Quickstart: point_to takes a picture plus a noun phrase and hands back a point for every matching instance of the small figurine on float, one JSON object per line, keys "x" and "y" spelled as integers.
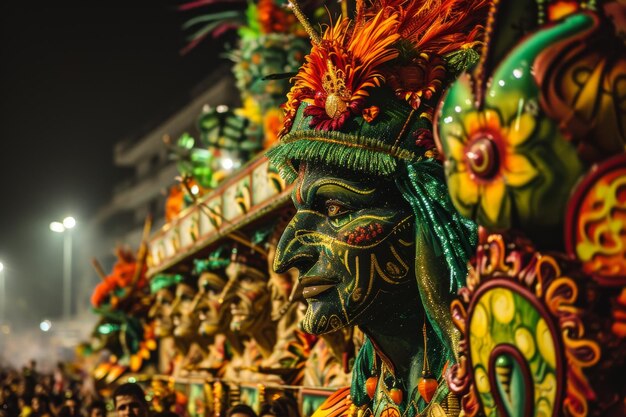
{"x": 247, "y": 297}
{"x": 214, "y": 321}
{"x": 376, "y": 238}
{"x": 162, "y": 289}
{"x": 192, "y": 347}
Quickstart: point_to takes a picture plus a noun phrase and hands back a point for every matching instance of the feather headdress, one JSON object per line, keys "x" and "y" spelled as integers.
{"x": 406, "y": 45}
{"x": 365, "y": 96}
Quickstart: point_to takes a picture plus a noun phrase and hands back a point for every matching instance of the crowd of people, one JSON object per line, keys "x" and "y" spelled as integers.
{"x": 30, "y": 393}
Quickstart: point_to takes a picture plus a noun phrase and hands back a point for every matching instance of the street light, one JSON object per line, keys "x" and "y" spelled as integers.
{"x": 3, "y": 296}
{"x": 45, "y": 325}
{"x": 65, "y": 227}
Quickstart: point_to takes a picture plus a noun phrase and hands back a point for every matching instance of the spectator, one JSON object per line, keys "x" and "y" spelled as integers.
{"x": 24, "y": 404}
{"x": 41, "y": 406}
{"x": 97, "y": 409}
{"x": 72, "y": 404}
{"x": 240, "y": 410}
{"x": 130, "y": 401}
{"x": 9, "y": 402}
{"x": 65, "y": 411}
{"x": 283, "y": 406}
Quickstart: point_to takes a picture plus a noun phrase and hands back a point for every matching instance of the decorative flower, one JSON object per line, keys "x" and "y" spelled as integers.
{"x": 420, "y": 81}
{"x": 273, "y": 18}
{"x": 485, "y": 157}
{"x": 272, "y": 122}
{"x": 337, "y": 74}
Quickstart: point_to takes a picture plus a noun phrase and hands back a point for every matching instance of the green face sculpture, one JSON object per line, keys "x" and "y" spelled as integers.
{"x": 353, "y": 242}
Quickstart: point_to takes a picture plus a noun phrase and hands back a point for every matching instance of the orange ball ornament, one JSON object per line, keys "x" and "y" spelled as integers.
{"x": 396, "y": 395}
{"x": 427, "y": 387}
{"x": 370, "y": 386}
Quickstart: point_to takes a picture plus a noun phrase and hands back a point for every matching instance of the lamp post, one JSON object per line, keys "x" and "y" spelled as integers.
{"x": 65, "y": 227}
{"x": 3, "y": 296}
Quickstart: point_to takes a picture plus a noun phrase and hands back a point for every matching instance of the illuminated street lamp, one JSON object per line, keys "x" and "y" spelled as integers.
{"x": 65, "y": 227}
{"x": 3, "y": 296}
{"x": 45, "y": 325}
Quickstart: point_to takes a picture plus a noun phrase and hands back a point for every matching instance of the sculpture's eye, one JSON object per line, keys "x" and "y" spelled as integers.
{"x": 335, "y": 209}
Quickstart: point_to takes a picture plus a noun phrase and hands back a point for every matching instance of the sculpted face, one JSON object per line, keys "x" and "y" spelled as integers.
{"x": 184, "y": 320}
{"x": 212, "y": 318}
{"x": 161, "y": 312}
{"x": 353, "y": 243}
{"x": 248, "y": 296}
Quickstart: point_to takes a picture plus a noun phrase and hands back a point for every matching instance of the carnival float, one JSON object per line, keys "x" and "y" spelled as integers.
{"x": 429, "y": 218}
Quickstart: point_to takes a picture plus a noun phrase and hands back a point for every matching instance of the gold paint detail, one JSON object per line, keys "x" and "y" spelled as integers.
{"x": 398, "y": 258}
{"x": 338, "y": 95}
{"x": 331, "y": 181}
{"x": 383, "y": 275}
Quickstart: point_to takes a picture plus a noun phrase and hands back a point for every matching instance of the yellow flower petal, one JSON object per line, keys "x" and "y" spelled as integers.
{"x": 518, "y": 170}
{"x": 468, "y": 190}
{"x": 520, "y": 129}
{"x": 492, "y": 195}
{"x": 455, "y": 149}
{"x": 472, "y": 122}
{"x": 491, "y": 120}
{"x": 462, "y": 186}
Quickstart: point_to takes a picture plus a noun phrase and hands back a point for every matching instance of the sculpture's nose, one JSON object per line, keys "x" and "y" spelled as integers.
{"x": 228, "y": 292}
{"x": 292, "y": 250}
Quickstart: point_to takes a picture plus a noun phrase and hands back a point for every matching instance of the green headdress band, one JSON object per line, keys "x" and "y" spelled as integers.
{"x": 372, "y": 147}
{"x": 163, "y": 281}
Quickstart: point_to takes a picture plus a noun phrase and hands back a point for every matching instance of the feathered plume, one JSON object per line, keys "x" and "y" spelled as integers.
{"x": 403, "y": 43}
{"x": 339, "y": 70}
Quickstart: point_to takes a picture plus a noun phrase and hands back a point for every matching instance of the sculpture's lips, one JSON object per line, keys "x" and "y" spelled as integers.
{"x": 315, "y": 285}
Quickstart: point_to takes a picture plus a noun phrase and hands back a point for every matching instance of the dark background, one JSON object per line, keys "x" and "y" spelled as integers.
{"x": 75, "y": 78}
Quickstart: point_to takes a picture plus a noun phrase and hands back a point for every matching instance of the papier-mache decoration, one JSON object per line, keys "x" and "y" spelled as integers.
{"x": 270, "y": 48}
{"x": 533, "y": 144}
{"x": 519, "y": 133}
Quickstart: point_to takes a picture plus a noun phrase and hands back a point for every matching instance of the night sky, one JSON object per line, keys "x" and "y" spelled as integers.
{"x": 75, "y": 78}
